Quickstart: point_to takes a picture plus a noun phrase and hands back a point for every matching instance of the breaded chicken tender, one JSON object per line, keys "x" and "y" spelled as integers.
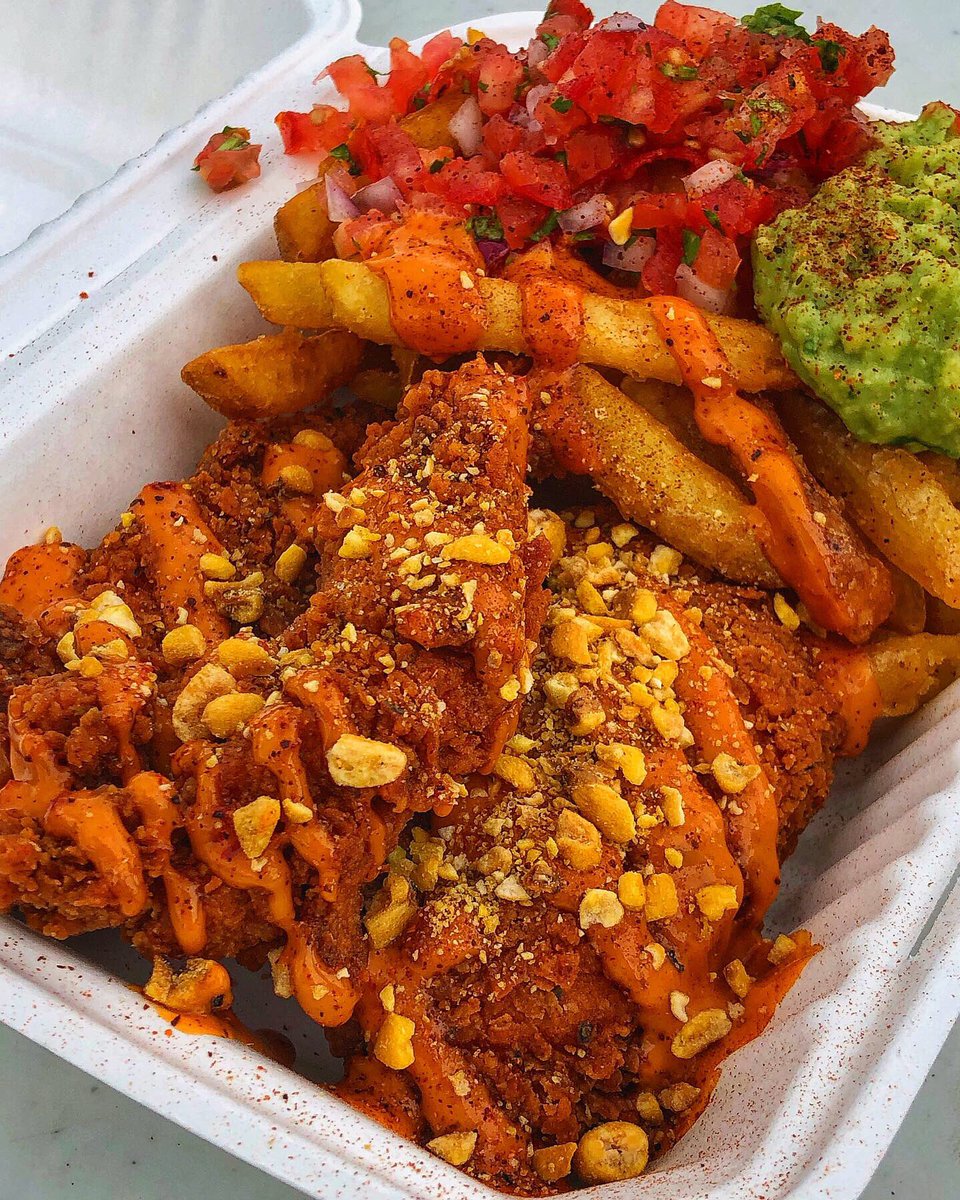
{"x": 577, "y": 946}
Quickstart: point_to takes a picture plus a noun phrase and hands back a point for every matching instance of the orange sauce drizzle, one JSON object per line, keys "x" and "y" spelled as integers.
{"x": 321, "y": 993}
{"x": 443, "y": 283}
{"x": 326, "y": 466}
{"x": 716, "y": 721}
{"x": 37, "y": 577}
{"x": 91, "y": 821}
{"x": 848, "y": 675}
{"x": 551, "y": 308}
{"x": 177, "y": 536}
{"x": 845, "y": 588}
{"x": 227, "y": 1025}
{"x": 150, "y": 792}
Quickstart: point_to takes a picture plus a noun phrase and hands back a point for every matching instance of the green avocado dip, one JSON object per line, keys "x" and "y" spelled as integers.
{"x": 862, "y": 286}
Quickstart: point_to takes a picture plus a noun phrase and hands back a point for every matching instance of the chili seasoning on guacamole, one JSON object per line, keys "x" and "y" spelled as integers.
{"x": 862, "y": 286}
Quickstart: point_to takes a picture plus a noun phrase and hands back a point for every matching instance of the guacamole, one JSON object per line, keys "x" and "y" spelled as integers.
{"x": 862, "y": 286}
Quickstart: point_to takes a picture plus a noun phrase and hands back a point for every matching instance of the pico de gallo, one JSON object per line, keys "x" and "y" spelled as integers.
{"x": 656, "y": 148}
{"x": 228, "y": 159}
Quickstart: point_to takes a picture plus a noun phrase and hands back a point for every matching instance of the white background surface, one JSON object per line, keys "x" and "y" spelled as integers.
{"x": 61, "y": 1133}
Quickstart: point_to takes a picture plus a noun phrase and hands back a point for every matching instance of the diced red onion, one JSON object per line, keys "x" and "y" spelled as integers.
{"x": 588, "y": 214}
{"x": 339, "y": 205}
{"x": 691, "y": 287}
{"x": 630, "y": 258}
{"x": 535, "y": 95}
{"x": 384, "y": 196}
{"x": 466, "y": 125}
{"x": 622, "y": 23}
{"x": 708, "y": 177}
{"x": 493, "y": 252}
{"x": 537, "y": 52}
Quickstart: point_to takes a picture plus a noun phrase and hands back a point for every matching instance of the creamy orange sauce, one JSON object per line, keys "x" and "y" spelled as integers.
{"x": 848, "y": 675}
{"x": 326, "y": 466}
{"x": 322, "y": 993}
{"x": 227, "y": 1025}
{"x": 38, "y": 577}
{"x": 443, "y": 283}
{"x": 90, "y": 820}
{"x": 176, "y": 536}
{"x": 847, "y": 591}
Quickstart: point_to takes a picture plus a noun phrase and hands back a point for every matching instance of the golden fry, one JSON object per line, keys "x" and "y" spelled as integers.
{"x": 650, "y": 475}
{"x": 618, "y": 333}
{"x": 288, "y": 292}
{"x": 909, "y": 670}
{"x": 902, "y": 501}
{"x": 909, "y": 603}
{"x": 282, "y": 373}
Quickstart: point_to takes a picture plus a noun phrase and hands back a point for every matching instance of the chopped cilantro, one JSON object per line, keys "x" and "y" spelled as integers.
{"x": 484, "y": 87}
{"x": 691, "y": 246}
{"x": 585, "y": 235}
{"x": 673, "y": 71}
{"x": 561, "y": 157}
{"x": 776, "y": 20}
{"x": 714, "y": 218}
{"x": 744, "y": 137}
{"x": 562, "y": 104}
{"x": 438, "y": 164}
{"x": 486, "y": 226}
{"x": 549, "y": 225}
{"x": 421, "y": 98}
{"x": 550, "y": 40}
{"x": 343, "y": 153}
{"x": 829, "y": 54}
{"x": 756, "y": 124}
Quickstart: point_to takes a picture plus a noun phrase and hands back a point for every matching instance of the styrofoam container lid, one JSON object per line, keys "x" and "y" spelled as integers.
{"x": 91, "y": 406}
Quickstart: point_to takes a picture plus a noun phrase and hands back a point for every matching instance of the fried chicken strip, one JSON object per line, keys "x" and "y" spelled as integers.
{"x": 582, "y": 948}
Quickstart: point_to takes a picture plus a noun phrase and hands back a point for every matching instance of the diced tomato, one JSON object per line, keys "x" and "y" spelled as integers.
{"x": 388, "y": 150}
{"x": 659, "y": 275}
{"x": 314, "y": 132}
{"x": 740, "y": 206}
{"x": 700, "y": 29}
{"x": 439, "y": 50}
{"x": 572, "y": 9}
{"x": 717, "y": 259}
{"x": 467, "y": 181}
{"x": 408, "y": 76}
{"x": 500, "y": 75}
{"x": 863, "y": 63}
{"x": 500, "y": 137}
{"x": 228, "y": 159}
{"x": 560, "y": 61}
{"x": 520, "y": 219}
{"x": 354, "y": 81}
{"x": 661, "y": 210}
{"x": 363, "y": 235}
{"x": 541, "y": 179}
{"x": 591, "y": 153}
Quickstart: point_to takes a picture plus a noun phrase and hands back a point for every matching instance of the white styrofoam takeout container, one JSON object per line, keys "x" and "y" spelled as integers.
{"x": 91, "y": 406}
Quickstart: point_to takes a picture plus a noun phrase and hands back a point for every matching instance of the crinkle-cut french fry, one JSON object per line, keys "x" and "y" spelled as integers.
{"x": 620, "y": 334}
{"x": 941, "y": 618}
{"x": 650, "y": 475}
{"x": 673, "y": 407}
{"x": 909, "y": 603}
{"x": 303, "y": 229}
{"x": 910, "y": 670}
{"x": 290, "y": 293}
{"x": 902, "y": 501}
{"x": 380, "y": 388}
{"x": 273, "y": 375}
